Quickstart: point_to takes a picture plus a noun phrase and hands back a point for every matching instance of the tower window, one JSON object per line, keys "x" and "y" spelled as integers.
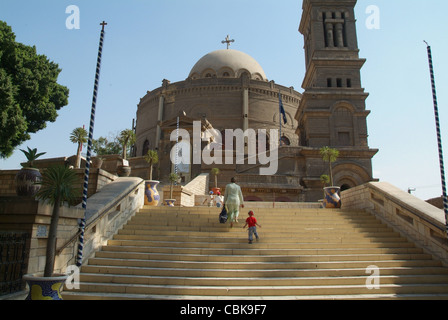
{"x": 339, "y": 83}
{"x": 329, "y": 83}
{"x": 349, "y": 83}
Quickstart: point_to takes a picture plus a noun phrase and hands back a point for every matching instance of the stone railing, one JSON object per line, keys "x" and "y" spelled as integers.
{"x": 415, "y": 219}
{"x": 107, "y": 212}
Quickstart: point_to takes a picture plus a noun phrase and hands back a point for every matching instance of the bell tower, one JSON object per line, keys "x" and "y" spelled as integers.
{"x": 332, "y": 111}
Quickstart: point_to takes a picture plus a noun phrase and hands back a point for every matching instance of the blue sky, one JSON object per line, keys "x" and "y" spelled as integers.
{"x": 151, "y": 40}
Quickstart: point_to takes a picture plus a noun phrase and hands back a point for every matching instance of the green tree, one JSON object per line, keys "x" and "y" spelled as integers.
{"x": 79, "y": 136}
{"x": 325, "y": 179}
{"x": 29, "y": 93}
{"x": 59, "y": 184}
{"x": 31, "y": 155}
{"x": 126, "y": 139}
{"x": 173, "y": 178}
{"x": 152, "y": 157}
{"x": 329, "y": 155}
{"x": 103, "y": 146}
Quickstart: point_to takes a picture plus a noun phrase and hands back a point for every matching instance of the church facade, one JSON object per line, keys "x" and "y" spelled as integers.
{"x": 228, "y": 90}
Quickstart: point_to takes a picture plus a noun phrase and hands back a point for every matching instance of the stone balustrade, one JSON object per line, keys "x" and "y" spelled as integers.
{"x": 415, "y": 219}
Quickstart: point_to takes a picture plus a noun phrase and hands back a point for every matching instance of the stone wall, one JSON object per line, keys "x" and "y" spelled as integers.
{"x": 107, "y": 211}
{"x": 415, "y": 219}
{"x": 24, "y": 214}
{"x": 185, "y": 196}
{"x": 98, "y": 178}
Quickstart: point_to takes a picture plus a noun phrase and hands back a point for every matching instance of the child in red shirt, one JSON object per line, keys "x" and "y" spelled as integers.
{"x": 251, "y": 222}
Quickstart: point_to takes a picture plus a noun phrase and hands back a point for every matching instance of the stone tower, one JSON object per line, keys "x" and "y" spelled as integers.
{"x": 333, "y": 111}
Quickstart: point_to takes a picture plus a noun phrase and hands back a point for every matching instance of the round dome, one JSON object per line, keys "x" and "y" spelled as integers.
{"x": 227, "y": 63}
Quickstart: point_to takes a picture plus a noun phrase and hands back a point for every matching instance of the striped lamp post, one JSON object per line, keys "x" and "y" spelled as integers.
{"x": 439, "y": 135}
{"x": 82, "y": 224}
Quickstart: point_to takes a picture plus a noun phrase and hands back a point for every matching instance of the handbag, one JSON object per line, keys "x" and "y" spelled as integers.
{"x": 223, "y": 215}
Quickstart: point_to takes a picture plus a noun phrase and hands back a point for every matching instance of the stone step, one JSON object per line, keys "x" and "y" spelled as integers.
{"x": 133, "y": 297}
{"x": 242, "y": 265}
{"x": 212, "y": 251}
{"x": 242, "y": 244}
{"x": 259, "y": 291}
{"x": 262, "y": 258}
{"x": 279, "y": 238}
{"x": 185, "y": 253}
{"x": 330, "y": 228}
{"x": 209, "y": 231}
{"x": 255, "y": 273}
{"x": 261, "y": 281}
{"x": 289, "y": 215}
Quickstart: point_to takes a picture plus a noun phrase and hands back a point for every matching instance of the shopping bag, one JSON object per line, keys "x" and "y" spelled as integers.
{"x": 223, "y": 215}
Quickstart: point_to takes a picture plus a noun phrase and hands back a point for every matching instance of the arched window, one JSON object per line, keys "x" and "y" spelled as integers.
{"x": 145, "y": 148}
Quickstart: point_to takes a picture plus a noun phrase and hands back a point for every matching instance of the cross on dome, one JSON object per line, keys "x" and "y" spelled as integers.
{"x": 228, "y": 41}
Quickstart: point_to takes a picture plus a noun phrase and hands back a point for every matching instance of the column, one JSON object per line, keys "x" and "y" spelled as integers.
{"x": 159, "y": 121}
{"x": 339, "y": 30}
{"x": 329, "y": 33}
{"x": 245, "y": 116}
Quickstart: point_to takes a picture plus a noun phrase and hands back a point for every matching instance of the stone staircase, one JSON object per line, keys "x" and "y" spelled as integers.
{"x": 184, "y": 253}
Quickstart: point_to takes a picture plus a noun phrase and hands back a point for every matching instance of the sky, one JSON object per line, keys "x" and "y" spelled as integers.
{"x": 151, "y": 40}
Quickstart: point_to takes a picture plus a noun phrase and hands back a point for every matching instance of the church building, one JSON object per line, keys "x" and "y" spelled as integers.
{"x": 228, "y": 89}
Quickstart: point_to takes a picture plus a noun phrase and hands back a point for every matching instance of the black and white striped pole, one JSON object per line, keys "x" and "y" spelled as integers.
{"x": 82, "y": 224}
{"x": 439, "y": 135}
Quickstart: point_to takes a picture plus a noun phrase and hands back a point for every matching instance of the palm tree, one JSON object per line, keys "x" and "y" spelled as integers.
{"x": 329, "y": 155}
{"x": 127, "y": 138}
{"x": 59, "y": 184}
{"x": 152, "y": 157}
{"x": 79, "y": 136}
{"x": 325, "y": 179}
{"x": 31, "y": 155}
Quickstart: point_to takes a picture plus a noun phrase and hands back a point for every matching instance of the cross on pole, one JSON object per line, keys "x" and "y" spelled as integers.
{"x": 228, "y": 41}
{"x": 103, "y": 24}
